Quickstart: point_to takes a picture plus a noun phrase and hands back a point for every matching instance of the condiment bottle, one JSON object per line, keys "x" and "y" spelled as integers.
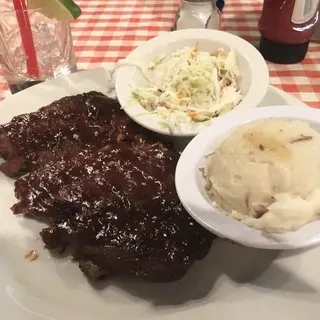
{"x": 286, "y": 27}
{"x": 197, "y": 14}
{"x": 316, "y": 34}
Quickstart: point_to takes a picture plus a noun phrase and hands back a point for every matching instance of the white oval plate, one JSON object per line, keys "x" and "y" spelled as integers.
{"x": 232, "y": 282}
{"x": 251, "y": 64}
{"x": 190, "y": 190}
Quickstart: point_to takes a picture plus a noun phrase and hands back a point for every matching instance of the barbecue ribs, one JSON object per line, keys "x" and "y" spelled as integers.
{"x": 66, "y": 126}
{"x": 105, "y": 187}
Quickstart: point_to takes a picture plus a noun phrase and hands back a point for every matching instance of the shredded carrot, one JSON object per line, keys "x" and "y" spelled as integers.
{"x": 223, "y": 83}
{"x": 196, "y": 47}
{"x": 195, "y": 50}
{"x": 216, "y": 52}
{"x": 192, "y": 114}
{"x": 179, "y": 95}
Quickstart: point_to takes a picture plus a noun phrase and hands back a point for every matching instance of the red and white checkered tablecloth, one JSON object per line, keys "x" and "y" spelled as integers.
{"x": 109, "y": 29}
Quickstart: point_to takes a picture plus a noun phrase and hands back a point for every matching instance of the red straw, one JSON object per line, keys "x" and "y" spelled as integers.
{"x": 26, "y": 36}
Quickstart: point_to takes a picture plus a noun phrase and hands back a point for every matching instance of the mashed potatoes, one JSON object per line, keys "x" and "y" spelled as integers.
{"x": 267, "y": 175}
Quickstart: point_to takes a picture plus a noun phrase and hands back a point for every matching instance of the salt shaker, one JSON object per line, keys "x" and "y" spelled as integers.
{"x": 197, "y": 14}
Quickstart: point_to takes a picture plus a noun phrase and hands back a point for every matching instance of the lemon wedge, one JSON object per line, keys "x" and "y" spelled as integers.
{"x": 56, "y": 9}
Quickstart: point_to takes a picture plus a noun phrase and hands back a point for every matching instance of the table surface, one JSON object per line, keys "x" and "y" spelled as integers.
{"x": 109, "y": 29}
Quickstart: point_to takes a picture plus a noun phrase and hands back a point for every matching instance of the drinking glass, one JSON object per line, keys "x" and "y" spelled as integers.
{"x": 53, "y": 46}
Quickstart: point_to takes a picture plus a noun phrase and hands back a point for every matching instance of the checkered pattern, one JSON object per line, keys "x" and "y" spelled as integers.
{"x": 109, "y": 29}
{"x": 301, "y": 80}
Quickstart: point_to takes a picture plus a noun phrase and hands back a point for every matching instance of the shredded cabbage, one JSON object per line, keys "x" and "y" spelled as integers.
{"x": 190, "y": 86}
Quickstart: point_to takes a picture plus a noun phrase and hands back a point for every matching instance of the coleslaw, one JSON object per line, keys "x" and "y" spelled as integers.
{"x": 190, "y": 86}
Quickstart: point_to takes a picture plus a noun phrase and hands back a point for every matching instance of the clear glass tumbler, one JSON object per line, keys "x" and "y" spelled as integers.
{"x": 52, "y": 41}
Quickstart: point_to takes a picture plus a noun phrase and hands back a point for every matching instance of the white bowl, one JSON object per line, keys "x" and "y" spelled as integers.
{"x": 253, "y": 82}
{"x": 189, "y": 183}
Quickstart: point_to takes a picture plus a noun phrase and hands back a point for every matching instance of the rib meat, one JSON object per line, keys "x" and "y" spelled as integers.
{"x": 118, "y": 210}
{"x": 104, "y": 186}
{"x": 66, "y": 126}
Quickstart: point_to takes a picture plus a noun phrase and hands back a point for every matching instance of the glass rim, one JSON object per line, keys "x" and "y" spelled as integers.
{"x": 14, "y": 11}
